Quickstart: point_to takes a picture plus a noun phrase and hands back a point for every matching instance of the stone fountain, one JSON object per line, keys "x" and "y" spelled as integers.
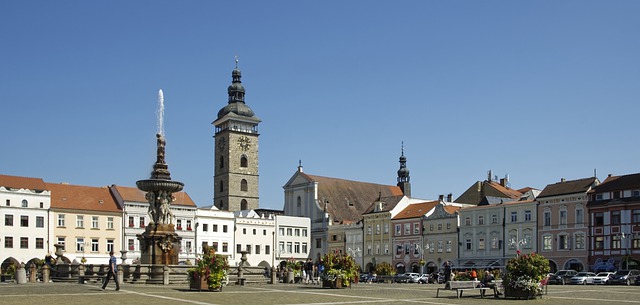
{"x": 159, "y": 244}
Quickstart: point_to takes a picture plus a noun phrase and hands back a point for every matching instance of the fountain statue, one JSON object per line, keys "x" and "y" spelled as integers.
{"x": 159, "y": 243}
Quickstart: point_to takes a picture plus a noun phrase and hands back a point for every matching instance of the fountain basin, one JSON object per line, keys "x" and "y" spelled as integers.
{"x": 152, "y": 185}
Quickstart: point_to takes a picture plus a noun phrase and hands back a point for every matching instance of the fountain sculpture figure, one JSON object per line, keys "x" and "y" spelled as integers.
{"x": 159, "y": 244}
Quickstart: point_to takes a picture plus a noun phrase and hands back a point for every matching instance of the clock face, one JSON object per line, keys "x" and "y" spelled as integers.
{"x": 244, "y": 142}
{"x": 222, "y": 143}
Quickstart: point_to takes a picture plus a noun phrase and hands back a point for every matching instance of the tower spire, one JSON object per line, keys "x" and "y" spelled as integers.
{"x": 403, "y": 174}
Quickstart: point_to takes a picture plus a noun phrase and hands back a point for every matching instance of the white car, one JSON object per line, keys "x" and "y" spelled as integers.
{"x": 602, "y": 278}
{"x": 583, "y": 278}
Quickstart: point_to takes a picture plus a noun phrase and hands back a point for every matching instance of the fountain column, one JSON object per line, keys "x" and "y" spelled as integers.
{"x": 159, "y": 243}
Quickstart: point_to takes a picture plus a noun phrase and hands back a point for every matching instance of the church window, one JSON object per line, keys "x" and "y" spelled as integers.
{"x": 221, "y": 186}
{"x": 244, "y": 162}
{"x": 243, "y": 185}
{"x": 243, "y": 204}
{"x": 221, "y": 162}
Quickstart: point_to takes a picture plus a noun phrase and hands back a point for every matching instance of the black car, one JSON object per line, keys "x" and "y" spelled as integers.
{"x": 625, "y": 277}
{"x": 562, "y": 277}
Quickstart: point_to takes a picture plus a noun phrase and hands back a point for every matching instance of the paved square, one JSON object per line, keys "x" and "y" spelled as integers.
{"x": 91, "y": 294}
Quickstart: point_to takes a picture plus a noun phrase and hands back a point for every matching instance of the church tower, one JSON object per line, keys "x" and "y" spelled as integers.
{"x": 235, "y": 178}
{"x": 403, "y": 175}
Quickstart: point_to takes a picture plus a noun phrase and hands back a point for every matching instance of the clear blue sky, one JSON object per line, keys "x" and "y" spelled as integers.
{"x": 539, "y": 90}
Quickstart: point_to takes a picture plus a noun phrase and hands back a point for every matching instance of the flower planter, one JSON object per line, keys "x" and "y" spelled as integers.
{"x": 335, "y": 284}
{"x": 198, "y": 283}
{"x": 520, "y": 293}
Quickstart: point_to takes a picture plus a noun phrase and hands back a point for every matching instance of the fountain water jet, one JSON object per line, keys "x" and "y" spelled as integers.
{"x": 159, "y": 244}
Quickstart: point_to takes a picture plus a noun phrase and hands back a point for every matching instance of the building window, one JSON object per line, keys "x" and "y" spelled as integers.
{"x": 431, "y": 246}
{"x": 480, "y": 220}
{"x": 189, "y": 225}
{"x": 305, "y": 248}
{"x": 563, "y": 242}
{"x": 615, "y": 217}
{"x": 398, "y": 229}
{"x": 254, "y": 231}
{"x": 319, "y": 243}
{"x": 416, "y": 228}
{"x": 289, "y": 232}
{"x": 244, "y": 231}
{"x": 494, "y": 243}
{"x": 109, "y": 223}
{"x": 407, "y": 229}
{"x": 205, "y": 227}
{"x": 369, "y": 231}
{"x": 563, "y": 217}
{"x": 60, "y": 220}
{"x": 214, "y": 228}
{"x": 304, "y": 232}
{"x": 39, "y": 243}
{"x": 214, "y": 245}
{"x": 297, "y": 232}
{"x": 386, "y": 248}
{"x": 599, "y": 243}
{"x": 281, "y": 231}
{"x": 527, "y": 215}
{"x": 448, "y": 226}
{"x": 95, "y": 245}
{"x": 289, "y": 247}
{"x": 131, "y": 244}
{"x": 378, "y": 228}
{"x": 225, "y": 247}
{"x": 24, "y": 221}
{"x": 224, "y": 229}
{"x": 547, "y": 218}
{"x": 468, "y": 243}
{"x": 431, "y": 227}
{"x": 79, "y": 221}
{"x": 244, "y": 162}
{"x": 8, "y": 242}
{"x": 386, "y": 228}
{"x": 94, "y": 222}
{"x": 449, "y": 243}
{"x": 514, "y": 216}
{"x": 481, "y": 244}
{"x": 264, "y": 232}
{"x": 244, "y": 185}
{"x": 579, "y": 216}
{"x": 598, "y": 219}
{"x": 188, "y": 246}
{"x": 615, "y": 242}
{"x": 8, "y": 203}
{"x": 527, "y": 239}
{"x": 24, "y": 242}
{"x": 109, "y": 245}
{"x": 79, "y": 244}
{"x": 257, "y": 249}
{"x": 547, "y": 243}
{"x": 178, "y": 224}
{"x": 62, "y": 241}
{"x": 39, "y": 221}
{"x": 494, "y": 218}
{"x": 439, "y": 227}
{"x": 8, "y": 220}
{"x": 42, "y": 205}
{"x": 467, "y": 221}
{"x": 635, "y": 216}
{"x": 25, "y": 203}
{"x": 142, "y": 222}
{"x": 579, "y": 241}
{"x": 296, "y": 247}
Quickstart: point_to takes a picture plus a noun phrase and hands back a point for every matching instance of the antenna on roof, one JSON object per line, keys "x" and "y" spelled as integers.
{"x": 595, "y": 173}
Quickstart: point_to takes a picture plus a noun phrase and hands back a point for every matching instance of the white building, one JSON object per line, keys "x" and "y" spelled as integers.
{"x": 26, "y": 231}
{"x": 254, "y": 234}
{"x": 214, "y": 228}
{"x": 293, "y": 238}
{"x": 135, "y": 219}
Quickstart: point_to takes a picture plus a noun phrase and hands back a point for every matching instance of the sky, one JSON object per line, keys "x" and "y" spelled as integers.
{"x": 536, "y": 90}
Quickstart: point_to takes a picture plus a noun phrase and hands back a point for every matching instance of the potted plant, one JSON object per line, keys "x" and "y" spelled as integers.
{"x": 385, "y": 272}
{"x": 524, "y": 274}
{"x": 339, "y": 270}
{"x": 210, "y": 271}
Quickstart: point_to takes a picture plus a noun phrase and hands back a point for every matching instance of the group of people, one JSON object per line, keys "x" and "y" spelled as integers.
{"x": 488, "y": 279}
{"x": 311, "y": 272}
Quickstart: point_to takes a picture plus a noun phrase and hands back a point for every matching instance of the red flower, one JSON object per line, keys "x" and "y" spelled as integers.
{"x": 518, "y": 252}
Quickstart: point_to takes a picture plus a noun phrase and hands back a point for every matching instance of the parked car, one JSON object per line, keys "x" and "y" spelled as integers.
{"x": 412, "y": 277}
{"x": 365, "y": 277}
{"x": 562, "y": 277}
{"x": 583, "y": 278}
{"x": 637, "y": 280}
{"x": 425, "y": 279}
{"x": 602, "y": 278}
{"x": 624, "y": 277}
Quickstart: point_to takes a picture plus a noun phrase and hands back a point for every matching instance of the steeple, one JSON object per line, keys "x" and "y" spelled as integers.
{"x": 236, "y": 103}
{"x": 403, "y": 174}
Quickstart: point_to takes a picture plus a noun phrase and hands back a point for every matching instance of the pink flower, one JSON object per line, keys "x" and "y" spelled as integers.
{"x": 518, "y": 252}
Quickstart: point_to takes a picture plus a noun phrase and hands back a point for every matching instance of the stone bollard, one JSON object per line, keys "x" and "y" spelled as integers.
{"x": 45, "y": 273}
{"x": 21, "y": 274}
{"x": 290, "y": 276}
{"x": 120, "y": 275}
{"x": 81, "y": 274}
{"x": 33, "y": 273}
{"x": 274, "y": 278}
{"x": 165, "y": 275}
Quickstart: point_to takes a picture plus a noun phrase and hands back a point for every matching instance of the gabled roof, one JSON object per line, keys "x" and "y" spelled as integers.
{"x": 416, "y": 210}
{"x": 347, "y": 200}
{"x": 569, "y": 187}
{"x": 481, "y": 190}
{"x": 79, "y": 197}
{"x": 17, "y": 182}
{"x": 388, "y": 204}
{"x": 619, "y": 183}
{"x": 132, "y": 194}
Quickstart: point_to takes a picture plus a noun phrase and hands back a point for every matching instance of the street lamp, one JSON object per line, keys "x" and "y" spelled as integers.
{"x": 630, "y": 236}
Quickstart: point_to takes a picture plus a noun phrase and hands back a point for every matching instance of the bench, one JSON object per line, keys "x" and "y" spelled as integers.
{"x": 460, "y": 286}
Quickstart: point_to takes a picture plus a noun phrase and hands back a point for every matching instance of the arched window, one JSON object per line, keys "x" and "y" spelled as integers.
{"x": 299, "y": 206}
{"x": 25, "y": 203}
{"x": 221, "y": 185}
{"x": 221, "y": 162}
{"x": 243, "y": 185}
{"x": 243, "y": 204}
{"x": 244, "y": 162}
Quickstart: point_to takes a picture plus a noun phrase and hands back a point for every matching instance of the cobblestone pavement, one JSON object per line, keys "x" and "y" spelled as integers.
{"x": 91, "y": 294}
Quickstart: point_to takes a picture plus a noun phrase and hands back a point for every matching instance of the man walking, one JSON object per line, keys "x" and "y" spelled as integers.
{"x": 113, "y": 271}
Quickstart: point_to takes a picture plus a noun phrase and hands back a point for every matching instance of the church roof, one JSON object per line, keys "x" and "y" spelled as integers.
{"x": 347, "y": 200}
{"x": 17, "y": 182}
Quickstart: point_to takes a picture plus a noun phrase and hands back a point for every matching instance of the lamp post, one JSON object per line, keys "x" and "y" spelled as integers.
{"x": 629, "y": 237}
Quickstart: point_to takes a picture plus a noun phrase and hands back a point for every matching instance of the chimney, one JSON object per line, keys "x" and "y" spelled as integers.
{"x": 440, "y": 197}
{"x": 503, "y": 182}
{"x": 563, "y": 180}
{"x": 450, "y": 197}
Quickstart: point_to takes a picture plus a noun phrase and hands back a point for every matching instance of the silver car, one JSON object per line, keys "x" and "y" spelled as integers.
{"x": 583, "y": 278}
{"x": 602, "y": 278}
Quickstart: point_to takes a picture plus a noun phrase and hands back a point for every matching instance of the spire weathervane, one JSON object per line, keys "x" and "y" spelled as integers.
{"x": 236, "y": 61}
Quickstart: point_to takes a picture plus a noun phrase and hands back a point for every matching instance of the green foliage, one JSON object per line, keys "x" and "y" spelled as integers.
{"x": 385, "y": 268}
{"x": 339, "y": 265}
{"x": 526, "y": 271}
{"x": 214, "y": 267}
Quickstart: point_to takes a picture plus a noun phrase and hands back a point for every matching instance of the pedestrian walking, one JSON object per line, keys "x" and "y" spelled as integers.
{"x": 113, "y": 271}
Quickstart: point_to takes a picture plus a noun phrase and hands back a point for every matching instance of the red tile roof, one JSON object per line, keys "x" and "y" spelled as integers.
{"x": 482, "y": 189}
{"x": 416, "y": 210}
{"x": 132, "y": 194}
{"x": 17, "y": 182}
{"x": 78, "y": 197}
